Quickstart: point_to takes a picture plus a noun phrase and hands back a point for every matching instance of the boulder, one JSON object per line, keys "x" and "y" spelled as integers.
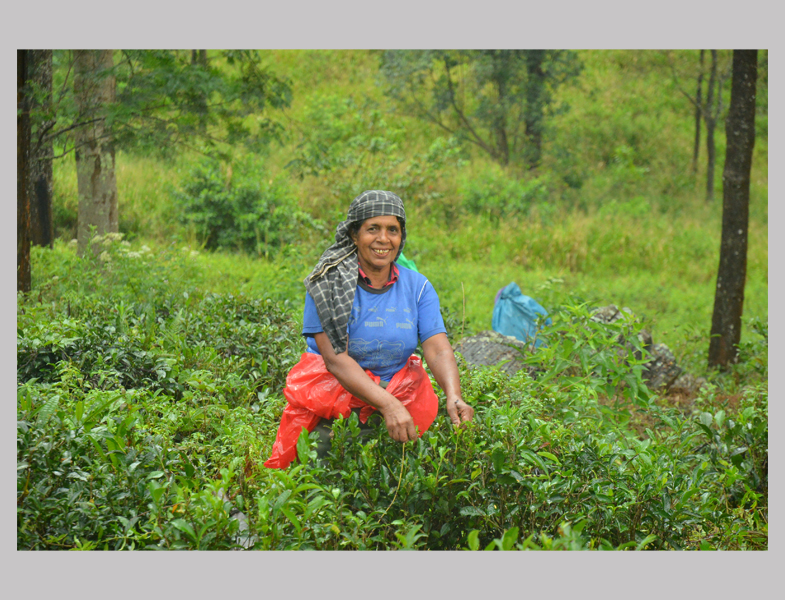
{"x": 489, "y": 348}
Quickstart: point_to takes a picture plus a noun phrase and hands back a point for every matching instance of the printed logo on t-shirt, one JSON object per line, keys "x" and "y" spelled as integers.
{"x": 379, "y": 322}
{"x": 408, "y": 325}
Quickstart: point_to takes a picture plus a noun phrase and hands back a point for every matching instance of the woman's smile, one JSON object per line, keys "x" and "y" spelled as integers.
{"x": 378, "y": 241}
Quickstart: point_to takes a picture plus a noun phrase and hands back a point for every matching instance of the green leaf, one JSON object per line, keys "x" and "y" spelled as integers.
{"x": 549, "y": 456}
{"x": 497, "y": 458}
{"x": 474, "y": 540}
{"x": 471, "y": 511}
{"x": 186, "y": 528}
{"x": 48, "y": 409}
{"x": 531, "y": 458}
{"x": 646, "y": 541}
{"x": 509, "y": 538}
{"x": 292, "y": 518}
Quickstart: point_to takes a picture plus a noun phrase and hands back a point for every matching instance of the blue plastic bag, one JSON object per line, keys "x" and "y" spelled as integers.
{"x": 516, "y": 315}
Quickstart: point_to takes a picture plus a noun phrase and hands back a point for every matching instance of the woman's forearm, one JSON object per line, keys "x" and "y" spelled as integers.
{"x": 354, "y": 380}
{"x": 441, "y": 360}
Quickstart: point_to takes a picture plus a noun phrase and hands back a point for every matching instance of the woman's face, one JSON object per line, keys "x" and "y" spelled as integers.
{"x": 378, "y": 240}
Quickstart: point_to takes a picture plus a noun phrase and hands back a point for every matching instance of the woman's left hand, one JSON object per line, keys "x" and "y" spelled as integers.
{"x": 459, "y": 411}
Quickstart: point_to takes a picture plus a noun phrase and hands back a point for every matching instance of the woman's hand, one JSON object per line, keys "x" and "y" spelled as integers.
{"x": 399, "y": 422}
{"x": 441, "y": 360}
{"x": 459, "y": 411}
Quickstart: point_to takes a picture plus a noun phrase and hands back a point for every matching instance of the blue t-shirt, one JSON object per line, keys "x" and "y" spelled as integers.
{"x": 386, "y": 323}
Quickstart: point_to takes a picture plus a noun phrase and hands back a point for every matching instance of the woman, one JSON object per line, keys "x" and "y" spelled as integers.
{"x": 362, "y": 320}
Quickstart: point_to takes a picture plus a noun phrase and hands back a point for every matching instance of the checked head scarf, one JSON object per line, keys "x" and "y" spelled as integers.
{"x": 333, "y": 280}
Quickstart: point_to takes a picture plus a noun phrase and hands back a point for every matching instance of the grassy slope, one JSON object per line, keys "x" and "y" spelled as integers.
{"x": 627, "y": 135}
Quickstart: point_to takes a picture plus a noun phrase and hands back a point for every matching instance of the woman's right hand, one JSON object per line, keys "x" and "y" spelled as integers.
{"x": 399, "y": 422}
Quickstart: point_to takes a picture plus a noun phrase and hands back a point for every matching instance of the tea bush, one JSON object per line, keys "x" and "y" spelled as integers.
{"x": 146, "y": 406}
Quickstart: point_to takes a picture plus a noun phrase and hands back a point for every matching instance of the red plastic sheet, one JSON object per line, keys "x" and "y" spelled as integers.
{"x": 313, "y": 393}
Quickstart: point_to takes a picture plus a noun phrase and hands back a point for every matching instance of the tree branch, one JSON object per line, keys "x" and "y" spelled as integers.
{"x": 478, "y": 140}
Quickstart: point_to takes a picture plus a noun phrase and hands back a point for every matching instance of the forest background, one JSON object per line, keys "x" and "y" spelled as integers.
{"x": 612, "y": 208}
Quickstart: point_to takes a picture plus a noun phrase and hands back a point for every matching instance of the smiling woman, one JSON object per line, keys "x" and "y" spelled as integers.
{"x": 363, "y": 318}
{"x": 377, "y": 240}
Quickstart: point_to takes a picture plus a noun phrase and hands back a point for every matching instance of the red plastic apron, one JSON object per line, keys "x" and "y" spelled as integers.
{"x": 313, "y": 393}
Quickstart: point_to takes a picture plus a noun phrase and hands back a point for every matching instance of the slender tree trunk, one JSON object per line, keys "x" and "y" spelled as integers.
{"x": 535, "y": 105}
{"x": 732, "y": 272}
{"x": 698, "y": 117}
{"x": 40, "y": 186}
{"x": 501, "y": 64}
{"x": 23, "y": 271}
{"x": 94, "y": 88}
{"x": 199, "y": 57}
{"x": 501, "y": 128}
{"x": 710, "y": 115}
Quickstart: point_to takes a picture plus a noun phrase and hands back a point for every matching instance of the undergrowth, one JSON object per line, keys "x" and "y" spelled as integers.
{"x": 146, "y": 406}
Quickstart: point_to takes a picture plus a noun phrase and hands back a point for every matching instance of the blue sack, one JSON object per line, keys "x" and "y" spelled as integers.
{"x": 516, "y": 315}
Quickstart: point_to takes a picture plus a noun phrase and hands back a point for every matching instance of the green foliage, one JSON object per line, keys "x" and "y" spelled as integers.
{"x": 354, "y": 147}
{"x": 500, "y": 196}
{"x": 143, "y": 416}
{"x": 165, "y": 99}
{"x": 495, "y": 99}
{"x": 149, "y": 377}
{"x": 243, "y": 210}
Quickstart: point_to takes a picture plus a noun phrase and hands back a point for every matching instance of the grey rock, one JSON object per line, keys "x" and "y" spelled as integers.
{"x": 243, "y": 538}
{"x": 662, "y": 370}
{"x": 489, "y": 348}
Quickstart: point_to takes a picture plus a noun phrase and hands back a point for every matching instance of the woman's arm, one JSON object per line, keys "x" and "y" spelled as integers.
{"x": 441, "y": 360}
{"x": 354, "y": 380}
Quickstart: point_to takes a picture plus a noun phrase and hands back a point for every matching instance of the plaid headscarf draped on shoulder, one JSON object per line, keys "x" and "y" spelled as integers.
{"x": 333, "y": 280}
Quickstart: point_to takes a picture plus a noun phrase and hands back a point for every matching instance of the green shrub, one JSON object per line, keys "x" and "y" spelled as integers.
{"x": 498, "y": 195}
{"x": 243, "y": 210}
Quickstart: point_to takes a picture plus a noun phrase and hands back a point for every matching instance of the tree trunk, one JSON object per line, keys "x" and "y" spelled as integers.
{"x": 732, "y": 273}
{"x": 698, "y": 117}
{"x": 23, "y": 272}
{"x": 94, "y": 88}
{"x": 501, "y": 73}
{"x": 710, "y": 116}
{"x": 199, "y": 57}
{"x": 41, "y": 232}
{"x": 535, "y": 104}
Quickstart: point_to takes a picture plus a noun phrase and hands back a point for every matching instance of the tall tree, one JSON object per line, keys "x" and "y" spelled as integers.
{"x": 536, "y": 99}
{"x": 494, "y": 99}
{"x": 732, "y": 272}
{"x": 42, "y": 152}
{"x": 23, "y": 273}
{"x": 698, "y": 116}
{"x": 163, "y": 100}
{"x": 709, "y": 108}
{"x": 711, "y": 116}
{"x": 94, "y": 92}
